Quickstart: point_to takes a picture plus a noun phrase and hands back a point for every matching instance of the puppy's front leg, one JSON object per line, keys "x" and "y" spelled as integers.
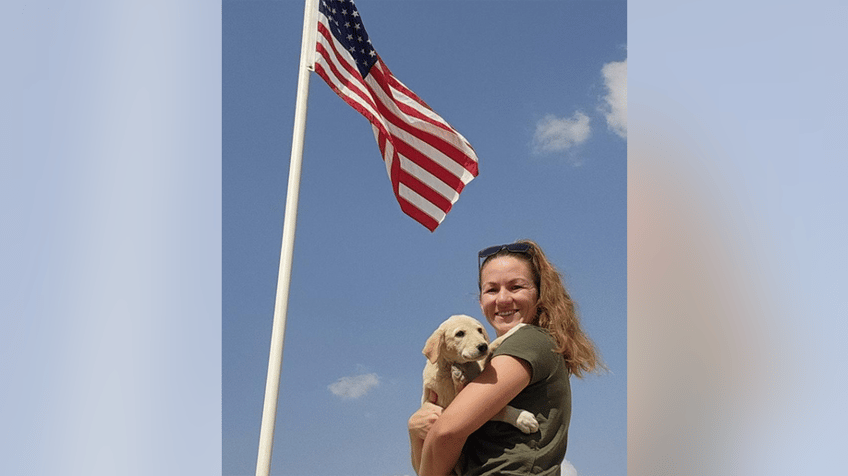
{"x": 521, "y": 419}
{"x": 461, "y": 374}
{"x": 459, "y": 378}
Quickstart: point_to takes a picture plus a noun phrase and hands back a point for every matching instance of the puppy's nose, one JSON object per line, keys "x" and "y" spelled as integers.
{"x": 483, "y": 347}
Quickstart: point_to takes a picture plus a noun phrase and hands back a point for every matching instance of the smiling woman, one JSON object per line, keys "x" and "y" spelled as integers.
{"x": 508, "y": 294}
{"x": 530, "y": 370}
{"x": 555, "y": 311}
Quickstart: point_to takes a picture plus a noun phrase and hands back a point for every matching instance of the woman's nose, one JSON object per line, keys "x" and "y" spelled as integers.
{"x": 503, "y": 296}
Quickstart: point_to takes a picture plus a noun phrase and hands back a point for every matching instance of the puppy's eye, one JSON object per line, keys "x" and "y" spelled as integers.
{"x": 480, "y": 330}
{"x": 460, "y": 334}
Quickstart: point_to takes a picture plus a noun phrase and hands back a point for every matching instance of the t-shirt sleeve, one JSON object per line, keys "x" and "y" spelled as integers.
{"x": 533, "y": 345}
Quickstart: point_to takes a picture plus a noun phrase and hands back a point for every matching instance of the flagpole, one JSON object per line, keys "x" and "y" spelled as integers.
{"x": 275, "y": 357}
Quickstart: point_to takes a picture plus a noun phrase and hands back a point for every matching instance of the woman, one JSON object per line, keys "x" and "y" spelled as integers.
{"x": 530, "y": 370}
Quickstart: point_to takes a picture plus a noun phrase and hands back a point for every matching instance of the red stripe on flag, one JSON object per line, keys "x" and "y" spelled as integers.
{"x": 350, "y": 78}
{"x": 404, "y": 124}
{"x": 429, "y": 222}
{"x": 416, "y": 155}
{"x": 425, "y": 191}
{"x": 392, "y": 82}
{"x": 398, "y": 176}
{"x": 428, "y": 164}
{"x": 438, "y": 143}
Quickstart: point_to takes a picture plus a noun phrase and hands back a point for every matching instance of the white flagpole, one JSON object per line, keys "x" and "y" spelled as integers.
{"x": 275, "y": 358}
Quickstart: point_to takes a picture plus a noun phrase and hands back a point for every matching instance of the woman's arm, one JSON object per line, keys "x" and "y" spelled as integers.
{"x": 501, "y": 381}
{"x": 419, "y": 425}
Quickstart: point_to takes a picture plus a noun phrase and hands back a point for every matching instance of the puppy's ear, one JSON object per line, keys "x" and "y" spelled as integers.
{"x": 433, "y": 346}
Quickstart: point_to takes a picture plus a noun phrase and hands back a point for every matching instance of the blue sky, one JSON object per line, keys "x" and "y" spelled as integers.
{"x": 524, "y": 83}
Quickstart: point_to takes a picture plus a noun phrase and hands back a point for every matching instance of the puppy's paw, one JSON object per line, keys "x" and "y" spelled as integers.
{"x": 457, "y": 374}
{"x": 526, "y": 422}
{"x": 458, "y": 378}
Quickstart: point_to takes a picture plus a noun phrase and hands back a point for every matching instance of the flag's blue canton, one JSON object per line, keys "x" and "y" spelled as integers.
{"x": 346, "y": 26}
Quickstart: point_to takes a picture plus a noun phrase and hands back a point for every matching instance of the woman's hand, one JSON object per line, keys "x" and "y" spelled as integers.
{"x": 421, "y": 421}
{"x": 419, "y": 425}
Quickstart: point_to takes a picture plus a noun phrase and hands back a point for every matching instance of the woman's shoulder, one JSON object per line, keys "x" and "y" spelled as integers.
{"x": 530, "y": 332}
{"x": 524, "y": 336}
{"x": 534, "y": 345}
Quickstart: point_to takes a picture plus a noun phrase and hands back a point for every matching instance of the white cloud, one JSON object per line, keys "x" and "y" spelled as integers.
{"x": 555, "y": 134}
{"x": 568, "y": 469}
{"x": 615, "y": 80}
{"x": 354, "y": 386}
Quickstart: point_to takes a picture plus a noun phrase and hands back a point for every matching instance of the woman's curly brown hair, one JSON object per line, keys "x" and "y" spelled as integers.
{"x": 556, "y": 311}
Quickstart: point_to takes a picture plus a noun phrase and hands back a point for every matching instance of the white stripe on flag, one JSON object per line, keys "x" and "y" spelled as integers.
{"x": 426, "y": 149}
{"x": 356, "y": 96}
{"x": 388, "y": 153}
{"x": 421, "y": 203}
{"x": 438, "y": 161}
{"x": 426, "y": 111}
{"x": 433, "y": 154}
{"x": 429, "y": 179}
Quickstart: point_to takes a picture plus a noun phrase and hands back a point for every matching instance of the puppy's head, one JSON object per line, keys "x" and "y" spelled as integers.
{"x": 459, "y": 339}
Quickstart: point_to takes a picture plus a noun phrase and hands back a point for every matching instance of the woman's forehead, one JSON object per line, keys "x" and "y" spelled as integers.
{"x": 506, "y": 264}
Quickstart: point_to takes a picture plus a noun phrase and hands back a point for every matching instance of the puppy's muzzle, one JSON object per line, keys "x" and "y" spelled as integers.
{"x": 481, "y": 350}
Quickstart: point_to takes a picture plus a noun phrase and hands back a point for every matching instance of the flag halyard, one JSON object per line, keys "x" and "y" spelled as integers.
{"x": 428, "y": 162}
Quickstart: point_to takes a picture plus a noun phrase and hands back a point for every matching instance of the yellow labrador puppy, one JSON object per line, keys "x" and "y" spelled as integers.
{"x": 456, "y": 354}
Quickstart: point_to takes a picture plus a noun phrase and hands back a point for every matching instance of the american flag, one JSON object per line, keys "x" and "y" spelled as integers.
{"x": 428, "y": 162}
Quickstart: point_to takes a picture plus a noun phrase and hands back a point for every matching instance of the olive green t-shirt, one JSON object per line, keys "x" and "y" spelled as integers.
{"x": 500, "y": 448}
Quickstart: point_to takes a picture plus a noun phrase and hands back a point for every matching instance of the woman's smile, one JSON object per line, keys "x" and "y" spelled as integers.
{"x": 508, "y": 295}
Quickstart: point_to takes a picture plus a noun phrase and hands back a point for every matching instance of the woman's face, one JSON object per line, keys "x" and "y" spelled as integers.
{"x": 508, "y": 295}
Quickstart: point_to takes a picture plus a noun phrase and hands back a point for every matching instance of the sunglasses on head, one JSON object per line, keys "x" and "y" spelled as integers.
{"x": 512, "y": 248}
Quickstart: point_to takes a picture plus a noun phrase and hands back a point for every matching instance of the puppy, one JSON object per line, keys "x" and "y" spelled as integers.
{"x": 456, "y": 354}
